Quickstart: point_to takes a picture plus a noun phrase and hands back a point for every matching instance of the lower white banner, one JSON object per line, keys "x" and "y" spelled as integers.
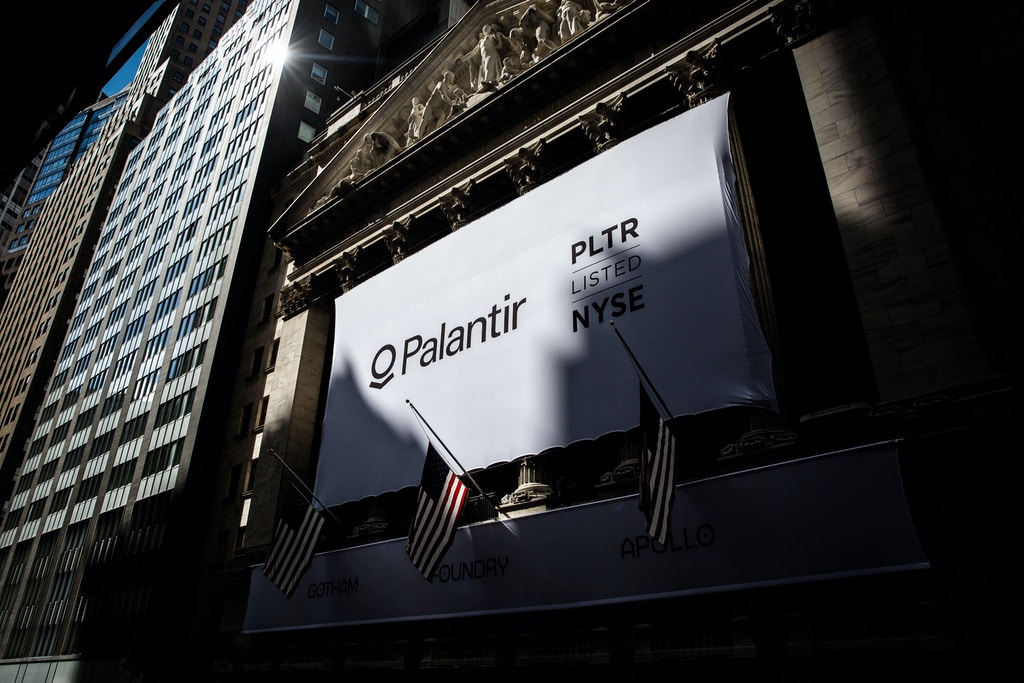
{"x": 828, "y": 516}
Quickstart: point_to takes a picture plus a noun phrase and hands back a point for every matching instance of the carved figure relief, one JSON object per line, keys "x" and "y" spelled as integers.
{"x": 536, "y": 23}
{"x": 495, "y": 60}
{"x": 572, "y": 19}
{"x": 414, "y": 129}
{"x": 439, "y": 105}
{"x": 491, "y": 44}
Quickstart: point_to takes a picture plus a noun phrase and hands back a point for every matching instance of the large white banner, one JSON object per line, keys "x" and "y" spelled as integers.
{"x": 789, "y": 523}
{"x": 499, "y": 334}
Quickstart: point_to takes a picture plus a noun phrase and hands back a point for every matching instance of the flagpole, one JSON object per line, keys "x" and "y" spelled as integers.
{"x": 304, "y": 486}
{"x": 647, "y": 380}
{"x": 658, "y": 491}
{"x": 452, "y": 456}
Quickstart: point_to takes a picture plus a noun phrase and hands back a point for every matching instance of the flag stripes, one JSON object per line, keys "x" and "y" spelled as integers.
{"x": 294, "y": 542}
{"x": 657, "y": 469}
{"x": 439, "y": 502}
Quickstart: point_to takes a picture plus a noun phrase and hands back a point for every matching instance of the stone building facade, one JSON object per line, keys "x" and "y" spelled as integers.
{"x": 866, "y": 294}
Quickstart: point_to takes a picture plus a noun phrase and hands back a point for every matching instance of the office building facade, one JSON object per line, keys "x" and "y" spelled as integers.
{"x": 91, "y": 539}
{"x": 65, "y": 149}
{"x": 88, "y": 157}
{"x": 13, "y": 201}
{"x": 822, "y": 449}
{"x": 192, "y": 25}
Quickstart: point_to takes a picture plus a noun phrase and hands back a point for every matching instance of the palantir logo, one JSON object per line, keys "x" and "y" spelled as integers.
{"x": 449, "y": 341}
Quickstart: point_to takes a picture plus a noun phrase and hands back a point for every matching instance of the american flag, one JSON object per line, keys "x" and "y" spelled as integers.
{"x": 657, "y": 469}
{"x": 439, "y": 503}
{"x": 294, "y": 541}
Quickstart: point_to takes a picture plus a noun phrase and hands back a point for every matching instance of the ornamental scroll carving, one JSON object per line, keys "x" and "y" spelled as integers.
{"x": 397, "y": 240}
{"x": 457, "y": 207}
{"x": 795, "y": 20}
{"x": 345, "y": 267}
{"x": 698, "y": 76}
{"x": 601, "y": 126}
{"x": 296, "y": 298}
{"x": 525, "y": 168}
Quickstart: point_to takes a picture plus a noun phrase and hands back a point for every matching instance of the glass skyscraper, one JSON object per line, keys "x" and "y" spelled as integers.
{"x": 126, "y": 434}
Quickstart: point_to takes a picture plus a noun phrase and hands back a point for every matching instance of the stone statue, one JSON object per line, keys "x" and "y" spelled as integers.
{"x": 490, "y": 47}
{"x": 439, "y": 105}
{"x": 518, "y": 47}
{"x": 362, "y": 163}
{"x": 510, "y": 66}
{"x": 383, "y": 148}
{"x": 412, "y": 133}
{"x": 570, "y": 19}
{"x": 537, "y": 23}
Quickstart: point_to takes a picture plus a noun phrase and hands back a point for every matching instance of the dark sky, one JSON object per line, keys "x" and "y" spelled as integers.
{"x": 58, "y": 61}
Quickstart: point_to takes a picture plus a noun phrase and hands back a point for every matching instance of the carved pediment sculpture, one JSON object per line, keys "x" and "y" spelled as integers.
{"x": 572, "y": 19}
{"x": 377, "y": 149}
{"x": 444, "y": 99}
{"x": 508, "y": 43}
{"x": 537, "y": 22}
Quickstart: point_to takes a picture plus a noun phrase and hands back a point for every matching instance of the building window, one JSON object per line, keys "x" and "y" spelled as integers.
{"x": 331, "y": 14}
{"x": 250, "y": 477}
{"x": 268, "y": 308}
{"x": 326, "y": 39}
{"x": 306, "y": 132}
{"x": 272, "y": 361}
{"x": 244, "y": 419}
{"x": 313, "y": 101}
{"x": 234, "y": 482}
{"x": 319, "y": 73}
{"x": 367, "y": 12}
{"x": 261, "y": 415}
{"x": 255, "y": 364}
